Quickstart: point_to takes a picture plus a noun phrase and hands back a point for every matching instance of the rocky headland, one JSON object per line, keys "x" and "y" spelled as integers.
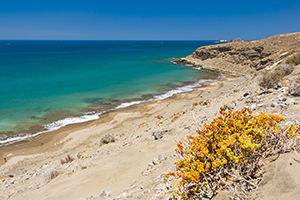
{"x": 126, "y": 154}
{"x": 245, "y": 56}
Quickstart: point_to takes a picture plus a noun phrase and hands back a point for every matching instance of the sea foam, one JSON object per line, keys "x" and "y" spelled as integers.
{"x": 52, "y": 127}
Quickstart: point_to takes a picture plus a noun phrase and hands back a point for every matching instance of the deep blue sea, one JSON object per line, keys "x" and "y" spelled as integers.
{"x": 46, "y": 85}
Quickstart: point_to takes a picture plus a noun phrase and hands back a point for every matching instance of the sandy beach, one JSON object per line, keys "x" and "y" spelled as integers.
{"x": 133, "y": 166}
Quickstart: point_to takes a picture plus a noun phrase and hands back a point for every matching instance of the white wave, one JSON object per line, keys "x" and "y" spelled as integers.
{"x": 184, "y": 89}
{"x": 52, "y": 127}
{"x": 172, "y": 92}
{"x": 95, "y": 115}
{"x": 14, "y": 139}
{"x": 72, "y": 120}
{"x": 124, "y": 105}
{"x": 197, "y": 68}
{"x": 188, "y": 65}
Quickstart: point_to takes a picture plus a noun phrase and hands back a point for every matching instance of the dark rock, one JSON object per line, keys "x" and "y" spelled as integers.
{"x": 11, "y": 176}
{"x": 246, "y": 94}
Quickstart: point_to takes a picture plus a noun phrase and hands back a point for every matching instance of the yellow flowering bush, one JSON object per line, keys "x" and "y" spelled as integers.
{"x": 229, "y": 149}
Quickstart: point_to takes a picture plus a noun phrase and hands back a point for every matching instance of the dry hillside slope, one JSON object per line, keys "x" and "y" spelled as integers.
{"x": 245, "y": 57}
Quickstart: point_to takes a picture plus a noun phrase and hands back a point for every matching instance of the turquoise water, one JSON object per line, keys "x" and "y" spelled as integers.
{"x": 48, "y": 84}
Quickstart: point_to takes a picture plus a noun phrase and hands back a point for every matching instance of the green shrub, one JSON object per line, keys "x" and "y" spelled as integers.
{"x": 294, "y": 60}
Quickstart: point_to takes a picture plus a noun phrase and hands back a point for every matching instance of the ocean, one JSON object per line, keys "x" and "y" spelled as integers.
{"x": 46, "y": 85}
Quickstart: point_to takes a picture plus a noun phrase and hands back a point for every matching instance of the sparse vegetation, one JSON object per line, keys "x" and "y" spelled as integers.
{"x": 51, "y": 175}
{"x": 294, "y": 87}
{"x": 294, "y": 60}
{"x": 66, "y": 160}
{"x": 270, "y": 79}
{"x": 228, "y": 154}
{"x": 106, "y": 139}
{"x": 285, "y": 69}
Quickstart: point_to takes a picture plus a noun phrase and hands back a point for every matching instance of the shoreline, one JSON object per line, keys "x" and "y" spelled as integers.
{"x": 43, "y": 141}
{"x": 133, "y": 128}
{"x": 38, "y": 130}
{"x": 126, "y": 165}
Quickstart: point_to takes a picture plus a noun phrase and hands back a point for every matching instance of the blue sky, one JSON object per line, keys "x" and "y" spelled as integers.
{"x": 146, "y": 20}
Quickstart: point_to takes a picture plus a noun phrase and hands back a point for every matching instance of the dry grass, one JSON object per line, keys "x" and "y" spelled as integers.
{"x": 285, "y": 69}
{"x": 294, "y": 87}
{"x": 66, "y": 160}
{"x": 270, "y": 79}
{"x": 294, "y": 60}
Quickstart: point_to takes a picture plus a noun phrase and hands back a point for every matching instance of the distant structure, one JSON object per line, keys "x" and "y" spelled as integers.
{"x": 231, "y": 40}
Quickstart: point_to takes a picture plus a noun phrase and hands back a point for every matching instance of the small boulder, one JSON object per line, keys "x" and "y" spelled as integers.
{"x": 157, "y": 135}
{"x": 162, "y": 157}
{"x": 155, "y": 161}
{"x": 108, "y": 138}
{"x": 246, "y": 94}
{"x": 253, "y": 107}
{"x": 260, "y": 105}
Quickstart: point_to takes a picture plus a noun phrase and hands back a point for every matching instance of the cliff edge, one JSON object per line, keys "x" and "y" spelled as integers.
{"x": 245, "y": 57}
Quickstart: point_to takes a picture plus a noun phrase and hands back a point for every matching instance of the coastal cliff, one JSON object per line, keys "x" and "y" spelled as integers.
{"x": 246, "y": 56}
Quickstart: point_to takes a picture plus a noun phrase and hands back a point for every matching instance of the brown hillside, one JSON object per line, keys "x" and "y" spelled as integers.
{"x": 245, "y": 57}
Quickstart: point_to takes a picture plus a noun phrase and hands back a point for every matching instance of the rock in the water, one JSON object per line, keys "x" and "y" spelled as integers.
{"x": 155, "y": 161}
{"x": 157, "y": 135}
{"x": 108, "y": 138}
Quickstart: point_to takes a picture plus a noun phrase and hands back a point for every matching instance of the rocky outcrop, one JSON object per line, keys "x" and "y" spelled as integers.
{"x": 245, "y": 57}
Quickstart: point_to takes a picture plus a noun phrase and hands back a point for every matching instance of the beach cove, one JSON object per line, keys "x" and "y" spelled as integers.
{"x": 50, "y": 84}
{"x": 127, "y": 168}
